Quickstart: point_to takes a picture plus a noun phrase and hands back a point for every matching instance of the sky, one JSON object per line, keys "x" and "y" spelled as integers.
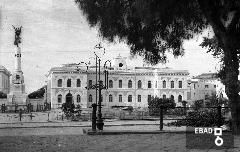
{"x": 55, "y": 32}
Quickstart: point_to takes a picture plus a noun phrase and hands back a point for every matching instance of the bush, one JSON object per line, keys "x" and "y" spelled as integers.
{"x": 2, "y": 95}
{"x": 68, "y": 109}
{"x": 155, "y": 103}
{"x": 176, "y": 112}
{"x": 201, "y": 118}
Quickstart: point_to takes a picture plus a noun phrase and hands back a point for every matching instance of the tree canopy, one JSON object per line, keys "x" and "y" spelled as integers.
{"x": 38, "y": 93}
{"x": 153, "y": 28}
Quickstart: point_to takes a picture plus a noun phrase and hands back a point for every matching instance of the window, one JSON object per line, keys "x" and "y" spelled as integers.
{"x": 78, "y": 83}
{"x": 110, "y": 85}
{"x": 120, "y": 83}
{"x": 206, "y": 96}
{"x": 206, "y": 86}
{"x": 90, "y": 83}
{"x": 69, "y": 83}
{"x": 129, "y": 98}
{"x": 194, "y": 86}
{"x": 149, "y": 98}
{"x": 164, "y": 96}
{"x": 139, "y": 98}
{"x": 172, "y": 84}
{"x": 215, "y": 86}
{"x": 149, "y": 84}
{"x": 179, "y": 98}
{"x": 188, "y": 96}
{"x": 164, "y": 84}
{"x": 139, "y": 84}
{"x": 179, "y": 84}
{"x": 90, "y": 98}
{"x": 60, "y": 83}
{"x": 59, "y": 98}
{"x": 78, "y": 98}
{"x": 120, "y": 98}
{"x": 110, "y": 98}
{"x": 130, "y": 84}
{"x": 172, "y": 97}
{"x": 156, "y": 84}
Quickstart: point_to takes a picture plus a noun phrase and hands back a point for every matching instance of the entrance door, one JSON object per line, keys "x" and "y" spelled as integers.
{"x": 69, "y": 99}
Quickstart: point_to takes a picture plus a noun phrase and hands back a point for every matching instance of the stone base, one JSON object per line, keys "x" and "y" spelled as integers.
{"x": 17, "y": 98}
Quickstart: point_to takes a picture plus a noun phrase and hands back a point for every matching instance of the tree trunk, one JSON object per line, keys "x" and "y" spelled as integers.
{"x": 231, "y": 82}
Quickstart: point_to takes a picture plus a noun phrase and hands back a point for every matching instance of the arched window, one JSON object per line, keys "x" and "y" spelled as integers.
{"x": 179, "y": 98}
{"x": 172, "y": 84}
{"x": 164, "y": 96}
{"x": 129, "y": 98}
{"x": 59, "y": 83}
{"x": 149, "y": 84}
{"x": 156, "y": 84}
{"x": 110, "y": 85}
{"x": 179, "y": 84}
{"x": 78, "y": 83}
{"x": 120, "y": 98}
{"x": 59, "y": 98}
{"x": 90, "y": 98}
{"x": 69, "y": 83}
{"x": 120, "y": 83}
{"x": 78, "y": 98}
{"x": 139, "y": 84}
{"x": 139, "y": 98}
{"x": 164, "y": 84}
{"x": 110, "y": 98}
{"x": 130, "y": 84}
{"x": 172, "y": 97}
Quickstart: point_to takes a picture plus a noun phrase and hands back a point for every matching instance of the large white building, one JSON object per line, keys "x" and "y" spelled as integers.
{"x": 127, "y": 86}
{"x": 4, "y": 80}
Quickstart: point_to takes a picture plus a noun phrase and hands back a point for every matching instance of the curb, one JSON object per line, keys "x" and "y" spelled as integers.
{"x": 121, "y": 132}
{"x": 61, "y": 126}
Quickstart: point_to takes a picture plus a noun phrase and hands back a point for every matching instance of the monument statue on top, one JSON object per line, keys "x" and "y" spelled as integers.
{"x": 18, "y": 31}
{"x": 17, "y": 95}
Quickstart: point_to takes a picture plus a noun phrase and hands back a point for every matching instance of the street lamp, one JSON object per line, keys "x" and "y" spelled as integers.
{"x": 99, "y": 86}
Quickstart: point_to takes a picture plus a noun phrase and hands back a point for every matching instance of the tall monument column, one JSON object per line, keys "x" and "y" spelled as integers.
{"x": 17, "y": 95}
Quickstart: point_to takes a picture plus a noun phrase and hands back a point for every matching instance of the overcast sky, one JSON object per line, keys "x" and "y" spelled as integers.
{"x": 55, "y": 32}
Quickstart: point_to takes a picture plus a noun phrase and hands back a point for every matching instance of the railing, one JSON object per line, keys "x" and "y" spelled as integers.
{"x": 26, "y": 108}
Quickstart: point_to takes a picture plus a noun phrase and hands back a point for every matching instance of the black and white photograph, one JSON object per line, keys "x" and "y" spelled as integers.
{"x": 119, "y": 76}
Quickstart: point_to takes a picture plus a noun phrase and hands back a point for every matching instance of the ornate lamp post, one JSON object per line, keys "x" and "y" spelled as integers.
{"x": 99, "y": 86}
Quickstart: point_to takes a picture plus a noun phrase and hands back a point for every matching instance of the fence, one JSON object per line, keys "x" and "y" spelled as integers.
{"x": 4, "y": 108}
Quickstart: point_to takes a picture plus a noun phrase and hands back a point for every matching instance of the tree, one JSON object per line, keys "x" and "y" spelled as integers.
{"x": 152, "y": 28}
{"x": 155, "y": 104}
{"x": 3, "y": 95}
{"x": 37, "y": 94}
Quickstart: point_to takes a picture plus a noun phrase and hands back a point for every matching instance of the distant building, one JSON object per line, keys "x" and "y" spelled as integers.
{"x": 127, "y": 86}
{"x": 4, "y": 80}
{"x": 205, "y": 85}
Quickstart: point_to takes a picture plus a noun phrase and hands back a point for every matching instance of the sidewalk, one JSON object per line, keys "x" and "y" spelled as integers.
{"x": 133, "y": 123}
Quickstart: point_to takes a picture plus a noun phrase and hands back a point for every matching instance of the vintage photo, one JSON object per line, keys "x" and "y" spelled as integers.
{"x": 119, "y": 75}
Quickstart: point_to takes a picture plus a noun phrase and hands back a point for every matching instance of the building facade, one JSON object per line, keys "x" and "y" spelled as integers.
{"x": 4, "y": 80}
{"x": 205, "y": 85}
{"x": 127, "y": 86}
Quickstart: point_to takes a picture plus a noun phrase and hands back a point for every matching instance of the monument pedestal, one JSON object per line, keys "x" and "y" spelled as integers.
{"x": 17, "y": 96}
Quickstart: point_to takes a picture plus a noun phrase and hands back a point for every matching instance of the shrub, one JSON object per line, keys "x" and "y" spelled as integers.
{"x": 2, "y": 95}
{"x": 200, "y": 118}
{"x": 176, "y": 112}
{"x": 155, "y": 103}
